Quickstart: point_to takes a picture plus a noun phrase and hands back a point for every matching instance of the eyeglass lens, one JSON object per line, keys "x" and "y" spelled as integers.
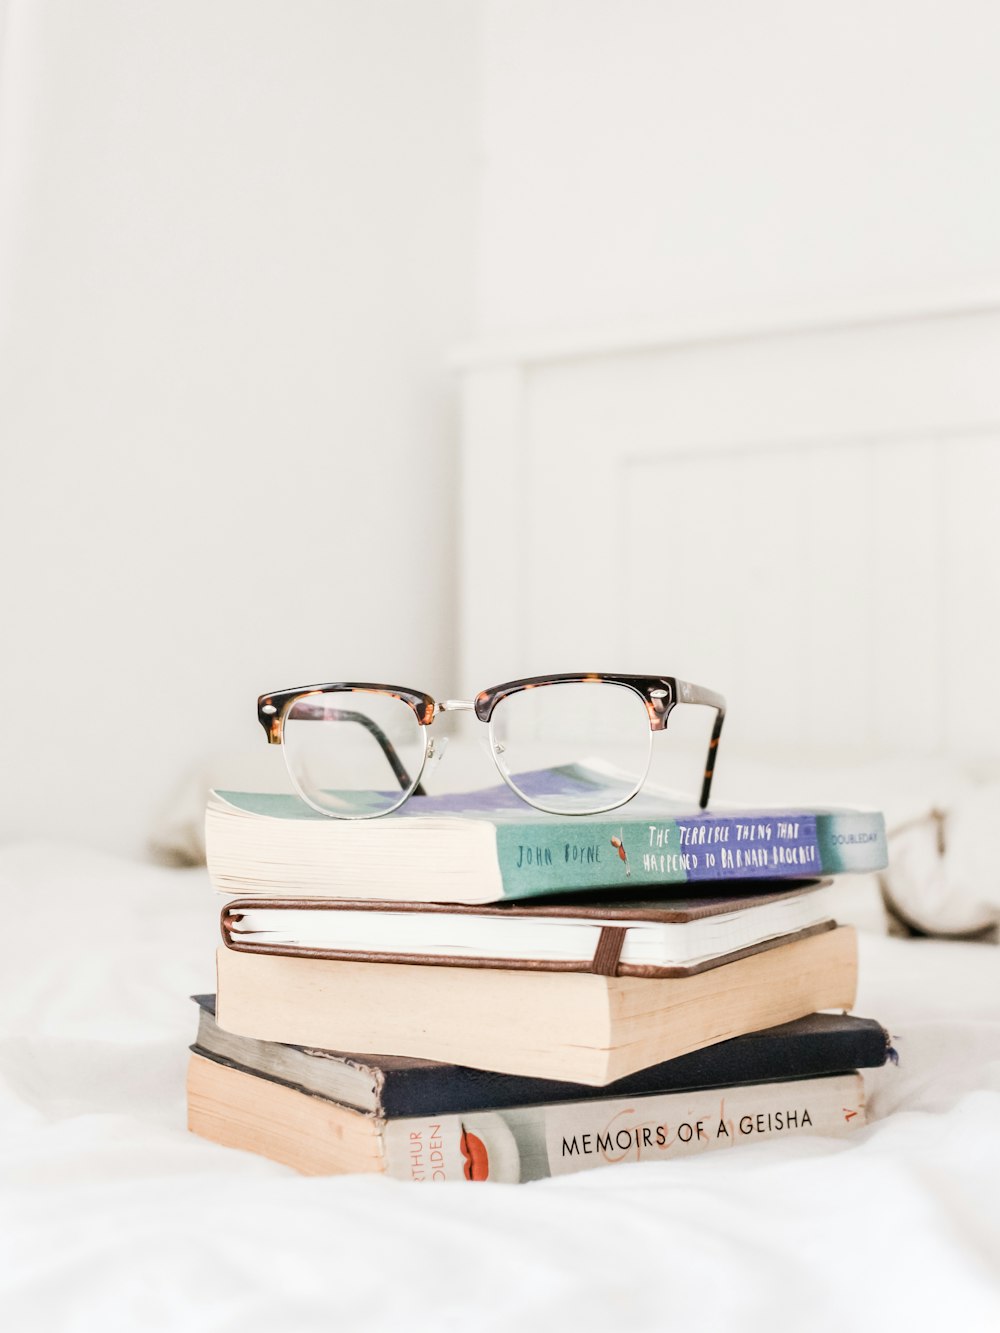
{"x": 353, "y": 753}
{"x": 595, "y": 734}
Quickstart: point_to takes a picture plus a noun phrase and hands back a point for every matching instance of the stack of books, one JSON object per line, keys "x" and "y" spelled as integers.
{"x": 545, "y": 994}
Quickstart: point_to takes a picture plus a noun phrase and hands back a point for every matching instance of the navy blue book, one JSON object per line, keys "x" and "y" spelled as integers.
{"x": 394, "y": 1086}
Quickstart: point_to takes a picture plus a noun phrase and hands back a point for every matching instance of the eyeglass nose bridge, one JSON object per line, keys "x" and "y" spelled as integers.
{"x": 454, "y": 705}
{"x": 436, "y": 747}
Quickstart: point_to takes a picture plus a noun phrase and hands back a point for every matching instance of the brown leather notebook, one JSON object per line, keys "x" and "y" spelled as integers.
{"x": 619, "y": 938}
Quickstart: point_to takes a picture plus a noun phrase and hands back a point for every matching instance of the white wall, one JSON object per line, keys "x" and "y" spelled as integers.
{"x": 238, "y": 239}
{"x": 664, "y": 158}
{"x": 235, "y": 245}
{"x": 717, "y": 249}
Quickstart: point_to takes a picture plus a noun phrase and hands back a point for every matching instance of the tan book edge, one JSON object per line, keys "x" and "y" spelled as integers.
{"x": 577, "y": 1026}
{"x": 312, "y": 1135}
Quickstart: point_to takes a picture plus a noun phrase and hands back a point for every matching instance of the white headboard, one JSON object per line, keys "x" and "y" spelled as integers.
{"x": 806, "y": 517}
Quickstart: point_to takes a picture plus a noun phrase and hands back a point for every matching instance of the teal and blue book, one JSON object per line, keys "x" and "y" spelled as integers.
{"x": 490, "y": 846}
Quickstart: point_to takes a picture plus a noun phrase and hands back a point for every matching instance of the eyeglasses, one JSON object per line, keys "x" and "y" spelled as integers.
{"x": 572, "y": 744}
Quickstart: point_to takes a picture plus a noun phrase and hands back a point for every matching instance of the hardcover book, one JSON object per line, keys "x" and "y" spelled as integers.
{"x": 485, "y": 846}
{"x": 619, "y": 937}
{"x": 391, "y": 1086}
{"x": 579, "y": 1026}
{"x": 320, "y": 1137}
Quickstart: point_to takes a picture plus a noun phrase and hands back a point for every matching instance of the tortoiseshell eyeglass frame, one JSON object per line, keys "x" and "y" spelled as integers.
{"x": 659, "y": 694}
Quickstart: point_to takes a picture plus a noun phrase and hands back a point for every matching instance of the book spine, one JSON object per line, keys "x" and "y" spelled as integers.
{"x": 533, "y": 1142}
{"x": 700, "y": 849}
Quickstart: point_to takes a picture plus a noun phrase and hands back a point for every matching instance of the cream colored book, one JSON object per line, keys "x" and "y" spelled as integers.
{"x": 320, "y": 1137}
{"x": 581, "y": 1027}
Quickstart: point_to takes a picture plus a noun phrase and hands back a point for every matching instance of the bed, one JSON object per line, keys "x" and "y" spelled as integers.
{"x": 116, "y": 1218}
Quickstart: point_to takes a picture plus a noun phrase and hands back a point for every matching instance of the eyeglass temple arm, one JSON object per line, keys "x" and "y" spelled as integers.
{"x": 697, "y": 694}
{"x": 308, "y": 712}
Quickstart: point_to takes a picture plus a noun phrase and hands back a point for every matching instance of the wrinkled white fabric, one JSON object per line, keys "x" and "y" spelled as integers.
{"x": 944, "y": 871}
{"x": 115, "y": 1218}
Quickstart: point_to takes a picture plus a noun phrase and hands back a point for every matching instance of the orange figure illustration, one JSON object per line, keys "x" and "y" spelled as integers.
{"x": 477, "y": 1159}
{"x": 619, "y": 846}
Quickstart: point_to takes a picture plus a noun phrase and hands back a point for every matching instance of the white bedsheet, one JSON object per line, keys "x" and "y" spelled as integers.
{"x": 116, "y": 1218}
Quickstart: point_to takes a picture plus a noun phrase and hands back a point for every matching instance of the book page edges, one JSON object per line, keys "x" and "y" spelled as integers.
{"x": 252, "y": 854}
{"x": 760, "y": 991}
{"x": 311, "y": 1134}
{"x": 572, "y": 1026}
